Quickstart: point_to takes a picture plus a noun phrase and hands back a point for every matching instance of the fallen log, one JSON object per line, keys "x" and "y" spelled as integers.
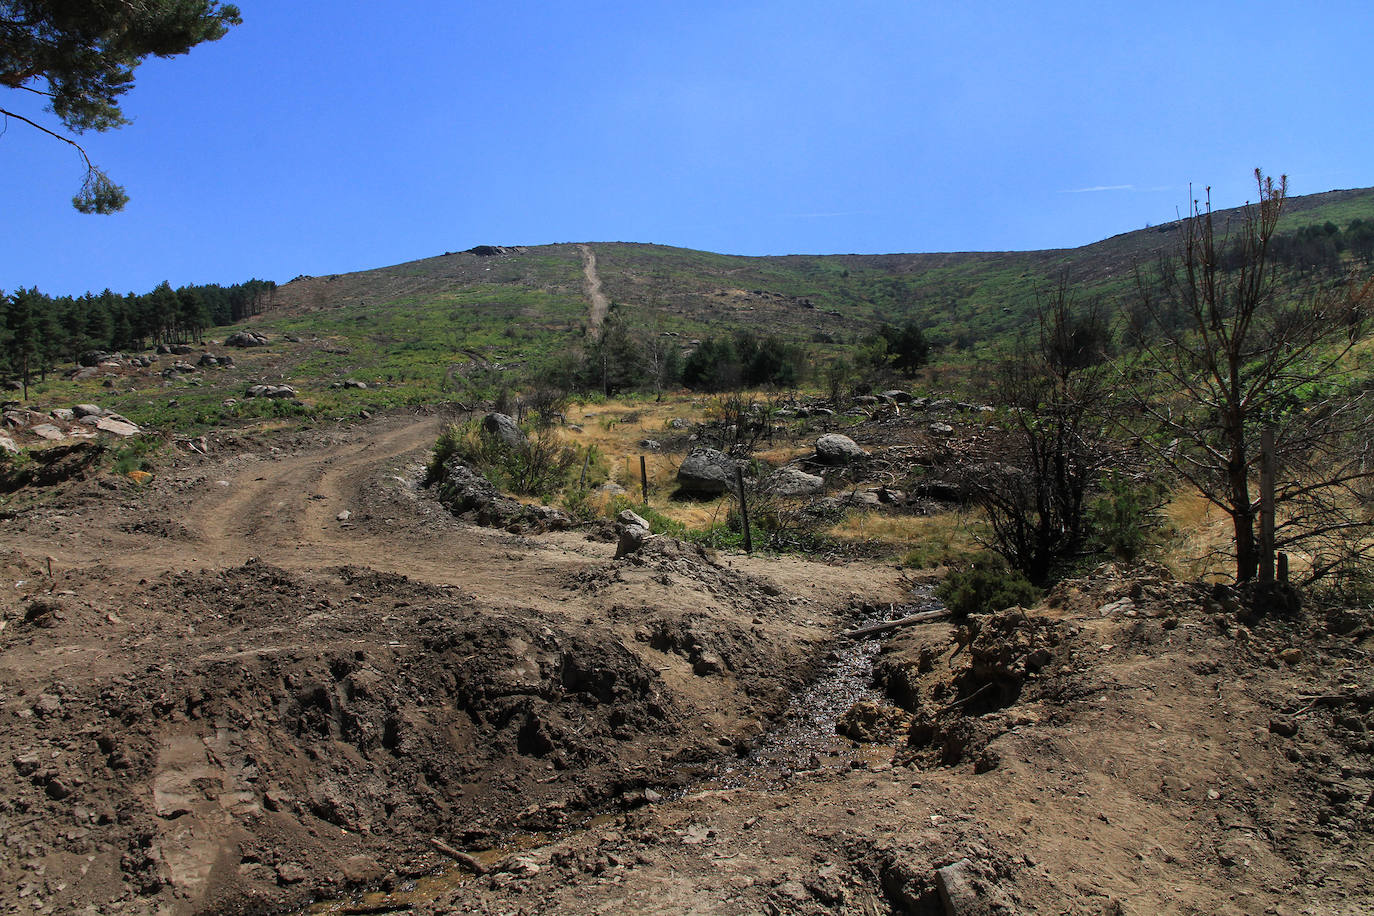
{"x": 471, "y": 863}
{"x": 894, "y": 624}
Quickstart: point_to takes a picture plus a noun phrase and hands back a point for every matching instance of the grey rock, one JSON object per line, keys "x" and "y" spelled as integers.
{"x": 116, "y": 427}
{"x": 791, "y": 481}
{"x": 901, "y": 397}
{"x": 629, "y": 539}
{"x": 630, "y": 517}
{"x": 8, "y": 445}
{"x": 47, "y": 431}
{"x": 504, "y": 429}
{"x": 706, "y": 472}
{"x": 652, "y": 445}
{"x": 63, "y": 414}
{"x": 836, "y": 449}
{"x": 87, "y": 410}
{"x": 632, "y": 530}
{"x": 957, "y": 891}
{"x": 941, "y": 429}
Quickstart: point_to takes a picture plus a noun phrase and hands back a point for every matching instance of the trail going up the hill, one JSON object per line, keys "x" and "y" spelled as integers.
{"x": 599, "y": 302}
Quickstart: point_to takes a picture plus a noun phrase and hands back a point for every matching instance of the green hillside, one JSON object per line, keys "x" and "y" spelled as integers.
{"x": 463, "y": 326}
{"x": 972, "y": 299}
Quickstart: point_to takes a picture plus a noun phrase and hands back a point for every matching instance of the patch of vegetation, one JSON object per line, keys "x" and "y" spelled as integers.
{"x": 135, "y": 454}
{"x": 989, "y": 585}
{"x": 1124, "y": 518}
{"x": 540, "y": 465}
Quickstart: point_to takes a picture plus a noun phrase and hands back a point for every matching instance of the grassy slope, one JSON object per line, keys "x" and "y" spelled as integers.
{"x": 458, "y": 326}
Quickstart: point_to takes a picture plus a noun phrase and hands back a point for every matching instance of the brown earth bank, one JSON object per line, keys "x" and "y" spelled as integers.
{"x": 281, "y": 672}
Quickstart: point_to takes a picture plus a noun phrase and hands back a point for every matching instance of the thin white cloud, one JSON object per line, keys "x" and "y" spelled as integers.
{"x": 1100, "y": 187}
{"x": 826, "y": 215}
{"x": 1117, "y": 187}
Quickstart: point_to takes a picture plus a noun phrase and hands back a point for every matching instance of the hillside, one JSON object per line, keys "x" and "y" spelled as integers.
{"x": 270, "y": 643}
{"x": 972, "y": 298}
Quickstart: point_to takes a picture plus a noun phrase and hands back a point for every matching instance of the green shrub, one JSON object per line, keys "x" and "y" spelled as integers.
{"x": 445, "y": 447}
{"x": 539, "y": 466}
{"x": 1124, "y": 519}
{"x": 133, "y": 455}
{"x": 986, "y": 586}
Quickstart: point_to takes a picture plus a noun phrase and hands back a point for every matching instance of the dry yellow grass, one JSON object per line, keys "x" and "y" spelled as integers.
{"x": 616, "y": 429}
{"x": 1200, "y": 535}
{"x": 922, "y": 540}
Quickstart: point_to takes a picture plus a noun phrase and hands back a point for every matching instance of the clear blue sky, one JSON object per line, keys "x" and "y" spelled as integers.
{"x": 324, "y": 137}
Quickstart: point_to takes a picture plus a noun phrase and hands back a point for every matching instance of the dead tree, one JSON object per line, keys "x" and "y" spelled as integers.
{"x": 1231, "y": 345}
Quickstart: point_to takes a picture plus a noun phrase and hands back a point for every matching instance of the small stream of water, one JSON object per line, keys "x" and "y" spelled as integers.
{"x": 802, "y": 740}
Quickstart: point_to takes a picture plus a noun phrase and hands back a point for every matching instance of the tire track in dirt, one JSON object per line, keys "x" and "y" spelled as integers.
{"x": 288, "y": 504}
{"x": 600, "y": 304}
{"x": 285, "y": 511}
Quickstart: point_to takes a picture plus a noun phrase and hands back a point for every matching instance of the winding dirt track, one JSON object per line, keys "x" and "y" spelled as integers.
{"x": 282, "y": 505}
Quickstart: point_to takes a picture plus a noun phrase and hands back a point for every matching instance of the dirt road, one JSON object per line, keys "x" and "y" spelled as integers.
{"x": 600, "y": 304}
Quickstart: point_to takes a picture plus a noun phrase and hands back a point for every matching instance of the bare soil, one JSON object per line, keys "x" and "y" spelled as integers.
{"x": 229, "y": 696}
{"x": 599, "y": 304}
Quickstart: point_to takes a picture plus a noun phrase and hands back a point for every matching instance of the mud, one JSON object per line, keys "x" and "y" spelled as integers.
{"x": 219, "y": 696}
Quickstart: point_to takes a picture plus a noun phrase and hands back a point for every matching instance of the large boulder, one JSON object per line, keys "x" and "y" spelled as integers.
{"x": 791, "y": 481}
{"x": 503, "y": 429}
{"x": 835, "y": 449}
{"x": 706, "y": 472}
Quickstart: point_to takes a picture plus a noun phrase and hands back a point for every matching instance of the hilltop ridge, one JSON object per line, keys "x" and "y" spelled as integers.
{"x": 965, "y": 297}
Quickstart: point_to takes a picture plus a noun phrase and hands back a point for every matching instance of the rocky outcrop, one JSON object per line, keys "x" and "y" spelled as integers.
{"x": 271, "y": 391}
{"x": 468, "y": 494}
{"x": 245, "y": 339}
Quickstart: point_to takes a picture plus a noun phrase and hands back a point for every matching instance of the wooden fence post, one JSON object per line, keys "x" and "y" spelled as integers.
{"x": 744, "y": 510}
{"x": 1266, "y": 558}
